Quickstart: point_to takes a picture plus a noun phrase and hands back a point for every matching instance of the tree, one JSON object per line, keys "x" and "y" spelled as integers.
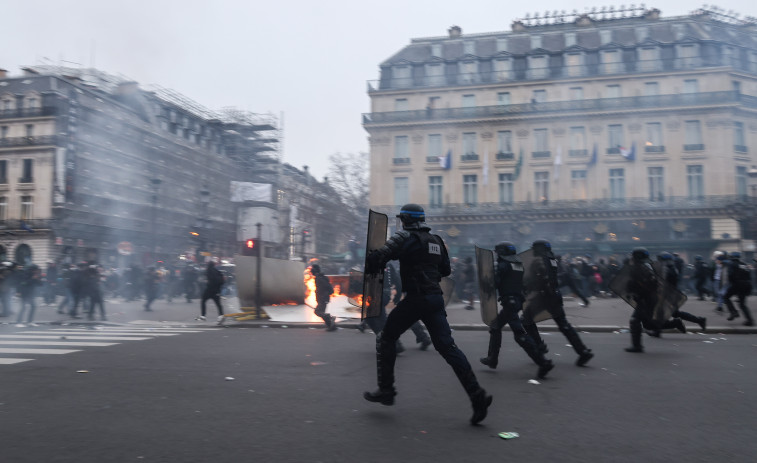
{"x": 349, "y": 177}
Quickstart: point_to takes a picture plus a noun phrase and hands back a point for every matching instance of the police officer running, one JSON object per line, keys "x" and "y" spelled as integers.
{"x": 545, "y": 282}
{"x": 423, "y": 262}
{"x": 740, "y": 285}
{"x": 508, "y": 277}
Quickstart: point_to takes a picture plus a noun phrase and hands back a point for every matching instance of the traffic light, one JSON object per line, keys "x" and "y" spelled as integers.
{"x": 305, "y": 236}
{"x": 250, "y": 248}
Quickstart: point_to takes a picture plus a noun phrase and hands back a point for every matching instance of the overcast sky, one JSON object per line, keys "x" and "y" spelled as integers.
{"x": 308, "y": 60}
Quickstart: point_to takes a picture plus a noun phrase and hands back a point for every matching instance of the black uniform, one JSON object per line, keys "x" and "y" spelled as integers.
{"x": 669, "y": 273}
{"x": 423, "y": 262}
{"x": 642, "y": 285}
{"x": 323, "y": 290}
{"x": 701, "y": 274}
{"x": 740, "y": 285}
{"x": 508, "y": 277}
{"x": 546, "y": 283}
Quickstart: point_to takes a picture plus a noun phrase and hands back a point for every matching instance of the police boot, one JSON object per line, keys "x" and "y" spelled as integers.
{"x": 386, "y": 355}
{"x": 702, "y": 323}
{"x": 480, "y": 401}
{"x": 731, "y": 309}
{"x": 584, "y": 354}
{"x": 495, "y": 342}
{"x": 748, "y": 315}
{"x": 635, "y": 337}
{"x": 382, "y": 396}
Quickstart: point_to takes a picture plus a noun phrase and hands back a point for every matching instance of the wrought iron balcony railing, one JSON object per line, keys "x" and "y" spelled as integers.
{"x": 505, "y": 156}
{"x": 550, "y": 107}
{"x": 26, "y": 225}
{"x": 400, "y": 161}
{"x": 26, "y": 112}
{"x": 654, "y": 149}
{"x": 27, "y": 141}
{"x": 469, "y": 157}
{"x": 693, "y": 147}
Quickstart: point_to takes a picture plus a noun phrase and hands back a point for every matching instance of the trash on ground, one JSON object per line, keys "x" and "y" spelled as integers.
{"x": 533, "y": 381}
{"x": 508, "y": 435}
{"x": 229, "y": 378}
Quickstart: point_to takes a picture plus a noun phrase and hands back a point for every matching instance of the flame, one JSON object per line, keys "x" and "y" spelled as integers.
{"x": 309, "y": 280}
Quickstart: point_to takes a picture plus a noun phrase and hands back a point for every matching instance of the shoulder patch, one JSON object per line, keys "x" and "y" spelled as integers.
{"x": 434, "y": 248}
{"x": 517, "y": 266}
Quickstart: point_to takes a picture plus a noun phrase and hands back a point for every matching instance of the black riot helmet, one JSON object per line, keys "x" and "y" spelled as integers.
{"x": 542, "y": 247}
{"x": 664, "y": 256}
{"x": 640, "y": 254}
{"x": 411, "y": 213}
{"x": 505, "y": 248}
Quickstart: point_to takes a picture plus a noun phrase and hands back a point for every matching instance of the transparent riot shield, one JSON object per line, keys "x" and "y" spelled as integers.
{"x": 448, "y": 289}
{"x": 539, "y": 296}
{"x": 373, "y": 284}
{"x": 639, "y": 285}
{"x": 354, "y": 291}
{"x": 487, "y": 290}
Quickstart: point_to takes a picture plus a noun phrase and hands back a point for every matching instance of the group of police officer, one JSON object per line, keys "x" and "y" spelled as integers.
{"x": 528, "y": 292}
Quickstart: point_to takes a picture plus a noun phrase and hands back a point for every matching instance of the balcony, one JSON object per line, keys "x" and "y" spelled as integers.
{"x": 694, "y": 147}
{"x": 618, "y": 105}
{"x": 26, "y": 112}
{"x": 432, "y": 159}
{"x": 613, "y": 150}
{"x": 541, "y": 154}
{"x": 502, "y": 156}
{"x": 740, "y": 149}
{"x": 27, "y": 141}
{"x": 29, "y": 224}
{"x": 469, "y": 157}
{"x": 654, "y": 149}
{"x": 578, "y": 153}
{"x": 400, "y": 161}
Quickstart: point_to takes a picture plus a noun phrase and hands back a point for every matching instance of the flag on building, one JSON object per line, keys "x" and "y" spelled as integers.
{"x": 485, "y": 176}
{"x": 558, "y": 163}
{"x": 593, "y": 159}
{"x": 25, "y": 226}
{"x": 629, "y": 154}
{"x": 446, "y": 161}
{"x": 519, "y": 165}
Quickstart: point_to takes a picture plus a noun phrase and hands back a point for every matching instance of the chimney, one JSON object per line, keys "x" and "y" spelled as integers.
{"x": 455, "y": 32}
{"x": 3, "y": 73}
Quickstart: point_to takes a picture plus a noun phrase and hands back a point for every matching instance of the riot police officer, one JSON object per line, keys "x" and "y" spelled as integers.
{"x": 508, "y": 278}
{"x": 545, "y": 282}
{"x": 669, "y": 272}
{"x": 423, "y": 262}
{"x": 642, "y": 287}
{"x": 740, "y": 285}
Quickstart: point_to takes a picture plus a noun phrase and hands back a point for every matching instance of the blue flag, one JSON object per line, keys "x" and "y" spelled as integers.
{"x": 446, "y": 161}
{"x": 26, "y": 227}
{"x": 593, "y": 159}
{"x": 629, "y": 154}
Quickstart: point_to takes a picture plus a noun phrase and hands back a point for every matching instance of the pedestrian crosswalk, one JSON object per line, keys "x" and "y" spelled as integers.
{"x": 21, "y": 346}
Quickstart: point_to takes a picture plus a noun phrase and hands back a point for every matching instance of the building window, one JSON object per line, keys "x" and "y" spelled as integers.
{"x": 537, "y": 67}
{"x": 654, "y": 142}
{"x": 468, "y": 72}
{"x": 7, "y": 104}
{"x": 401, "y": 191}
{"x": 576, "y": 93}
{"x": 605, "y": 36}
{"x": 501, "y": 44}
{"x": 434, "y": 147}
{"x": 506, "y": 188}
{"x": 541, "y": 185}
{"x": 31, "y": 102}
{"x": 570, "y": 39}
{"x": 730, "y": 56}
{"x": 503, "y": 98}
{"x": 504, "y": 144}
{"x": 574, "y": 63}
{"x": 27, "y": 172}
{"x": 435, "y": 191}
{"x": 693, "y": 136}
{"x": 29, "y": 130}
{"x": 541, "y": 143}
{"x": 469, "y": 101}
{"x": 3, "y": 208}
{"x": 539, "y": 96}
{"x": 610, "y": 62}
{"x": 503, "y": 69}
{"x": 690, "y": 86}
{"x": 401, "y": 76}
{"x": 3, "y": 171}
{"x": 615, "y": 138}
{"x": 436, "y": 50}
{"x": 655, "y": 177}
{"x": 695, "y": 181}
{"x": 4, "y": 131}
{"x": 612, "y": 91}
{"x": 741, "y": 178}
{"x": 687, "y": 56}
{"x": 470, "y": 189}
{"x": 649, "y": 59}
{"x": 469, "y": 144}
{"x": 27, "y": 208}
{"x": 577, "y": 141}
{"x": 617, "y": 185}
{"x": 401, "y": 150}
{"x": 651, "y": 88}
{"x": 400, "y": 104}
{"x": 739, "y": 141}
{"x": 469, "y": 47}
{"x": 578, "y": 184}
{"x": 435, "y": 74}
{"x": 536, "y": 42}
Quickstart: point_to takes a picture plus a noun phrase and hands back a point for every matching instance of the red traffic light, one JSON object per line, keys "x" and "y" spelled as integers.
{"x": 250, "y": 244}
{"x": 250, "y": 248}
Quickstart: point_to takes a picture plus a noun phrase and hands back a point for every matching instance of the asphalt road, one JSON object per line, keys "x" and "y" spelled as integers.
{"x": 296, "y": 396}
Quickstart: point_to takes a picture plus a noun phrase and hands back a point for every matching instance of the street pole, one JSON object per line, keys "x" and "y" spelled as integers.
{"x": 258, "y": 286}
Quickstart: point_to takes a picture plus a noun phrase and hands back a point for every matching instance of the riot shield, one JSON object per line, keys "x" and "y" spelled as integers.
{"x": 448, "y": 289}
{"x": 373, "y": 284}
{"x": 538, "y": 296}
{"x": 660, "y": 298}
{"x": 487, "y": 290}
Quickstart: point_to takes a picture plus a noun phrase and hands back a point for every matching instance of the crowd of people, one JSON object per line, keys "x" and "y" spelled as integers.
{"x": 80, "y": 290}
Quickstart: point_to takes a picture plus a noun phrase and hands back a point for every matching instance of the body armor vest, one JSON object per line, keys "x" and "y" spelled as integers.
{"x": 419, "y": 269}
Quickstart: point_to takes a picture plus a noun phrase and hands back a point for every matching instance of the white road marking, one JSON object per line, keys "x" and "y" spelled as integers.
{"x": 97, "y": 333}
{"x": 11, "y": 350}
{"x": 58, "y": 343}
{"x": 10, "y": 361}
{"x": 77, "y": 338}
